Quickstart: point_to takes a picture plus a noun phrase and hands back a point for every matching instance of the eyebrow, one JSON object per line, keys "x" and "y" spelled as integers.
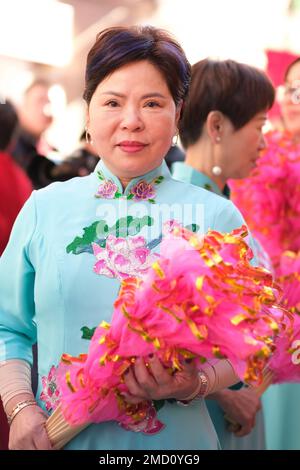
{"x": 148, "y": 95}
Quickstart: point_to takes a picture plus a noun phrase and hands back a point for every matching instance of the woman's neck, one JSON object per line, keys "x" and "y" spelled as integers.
{"x": 125, "y": 181}
{"x": 200, "y": 156}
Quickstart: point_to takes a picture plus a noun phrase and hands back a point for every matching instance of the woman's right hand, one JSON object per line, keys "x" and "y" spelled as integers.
{"x": 28, "y": 432}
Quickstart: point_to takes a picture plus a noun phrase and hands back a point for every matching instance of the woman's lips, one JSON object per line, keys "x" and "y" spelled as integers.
{"x": 131, "y": 146}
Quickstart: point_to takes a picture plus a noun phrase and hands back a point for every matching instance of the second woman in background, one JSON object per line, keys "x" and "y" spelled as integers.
{"x": 221, "y": 131}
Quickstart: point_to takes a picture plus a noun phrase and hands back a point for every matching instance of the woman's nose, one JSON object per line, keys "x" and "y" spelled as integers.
{"x": 262, "y": 143}
{"x": 132, "y": 120}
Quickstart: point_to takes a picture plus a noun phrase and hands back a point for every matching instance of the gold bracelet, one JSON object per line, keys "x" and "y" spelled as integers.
{"x": 200, "y": 390}
{"x": 19, "y": 406}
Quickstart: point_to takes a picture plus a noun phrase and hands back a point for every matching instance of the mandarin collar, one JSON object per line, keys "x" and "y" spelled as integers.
{"x": 104, "y": 175}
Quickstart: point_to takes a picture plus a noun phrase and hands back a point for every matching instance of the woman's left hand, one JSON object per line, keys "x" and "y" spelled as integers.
{"x": 155, "y": 382}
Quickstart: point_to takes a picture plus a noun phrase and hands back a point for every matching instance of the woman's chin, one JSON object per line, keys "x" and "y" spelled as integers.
{"x": 135, "y": 169}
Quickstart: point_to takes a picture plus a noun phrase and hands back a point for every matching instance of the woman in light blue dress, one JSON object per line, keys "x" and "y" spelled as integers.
{"x": 74, "y": 241}
{"x": 221, "y": 131}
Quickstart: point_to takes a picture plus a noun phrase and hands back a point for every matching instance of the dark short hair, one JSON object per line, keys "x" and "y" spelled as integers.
{"x": 290, "y": 66}
{"x": 237, "y": 90}
{"x": 118, "y": 46}
{"x": 8, "y": 124}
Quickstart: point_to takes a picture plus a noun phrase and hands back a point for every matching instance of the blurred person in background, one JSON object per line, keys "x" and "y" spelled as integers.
{"x": 81, "y": 162}
{"x": 221, "y": 132}
{"x": 15, "y": 188}
{"x": 270, "y": 197}
{"x": 30, "y": 148}
{"x": 289, "y": 105}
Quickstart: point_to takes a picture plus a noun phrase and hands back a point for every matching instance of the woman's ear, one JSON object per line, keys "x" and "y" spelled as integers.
{"x": 87, "y": 118}
{"x": 214, "y": 125}
{"x": 179, "y": 109}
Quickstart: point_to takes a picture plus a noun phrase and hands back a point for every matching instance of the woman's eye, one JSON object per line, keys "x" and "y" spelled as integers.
{"x": 152, "y": 104}
{"x": 112, "y": 104}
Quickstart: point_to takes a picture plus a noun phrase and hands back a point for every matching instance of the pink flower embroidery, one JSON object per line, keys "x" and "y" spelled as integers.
{"x": 149, "y": 425}
{"x": 123, "y": 257}
{"x": 107, "y": 190}
{"x": 50, "y": 394}
{"x": 143, "y": 191}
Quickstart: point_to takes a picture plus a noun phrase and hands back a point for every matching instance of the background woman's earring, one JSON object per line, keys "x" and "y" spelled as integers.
{"x": 216, "y": 170}
{"x": 175, "y": 140}
{"x": 218, "y": 139}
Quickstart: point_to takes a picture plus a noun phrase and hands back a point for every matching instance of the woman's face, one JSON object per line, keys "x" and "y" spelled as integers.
{"x": 290, "y": 104}
{"x": 240, "y": 149}
{"x": 132, "y": 119}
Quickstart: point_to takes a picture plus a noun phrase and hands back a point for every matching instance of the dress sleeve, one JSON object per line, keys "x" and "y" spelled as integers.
{"x": 17, "y": 275}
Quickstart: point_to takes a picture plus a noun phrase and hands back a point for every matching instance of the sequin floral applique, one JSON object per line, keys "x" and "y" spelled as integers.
{"x": 50, "y": 394}
{"x": 141, "y": 191}
{"x": 149, "y": 425}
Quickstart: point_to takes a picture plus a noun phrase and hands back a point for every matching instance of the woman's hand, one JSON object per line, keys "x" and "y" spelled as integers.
{"x": 154, "y": 382}
{"x": 241, "y": 407}
{"x": 28, "y": 432}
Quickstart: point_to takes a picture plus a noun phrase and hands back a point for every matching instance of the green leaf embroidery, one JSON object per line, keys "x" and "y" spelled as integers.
{"x": 87, "y": 333}
{"x": 100, "y": 175}
{"x": 130, "y": 196}
{"x": 117, "y": 195}
{"x": 89, "y": 235}
{"x": 98, "y": 231}
{"x": 193, "y": 227}
{"x": 102, "y": 229}
{"x": 136, "y": 225}
{"x": 152, "y": 201}
{"x": 158, "y": 180}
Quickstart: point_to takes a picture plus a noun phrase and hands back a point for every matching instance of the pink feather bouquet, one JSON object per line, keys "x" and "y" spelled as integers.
{"x": 269, "y": 198}
{"x": 200, "y": 299}
{"x": 270, "y": 201}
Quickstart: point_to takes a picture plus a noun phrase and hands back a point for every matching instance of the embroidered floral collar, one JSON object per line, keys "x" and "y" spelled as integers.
{"x": 142, "y": 188}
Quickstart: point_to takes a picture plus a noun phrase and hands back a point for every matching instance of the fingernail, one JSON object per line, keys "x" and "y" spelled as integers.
{"x": 151, "y": 355}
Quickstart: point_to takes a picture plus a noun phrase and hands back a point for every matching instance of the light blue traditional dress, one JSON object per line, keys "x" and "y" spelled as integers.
{"x": 256, "y": 439}
{"x": 282, "y": 416}
{"x": 61, "y": 271}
